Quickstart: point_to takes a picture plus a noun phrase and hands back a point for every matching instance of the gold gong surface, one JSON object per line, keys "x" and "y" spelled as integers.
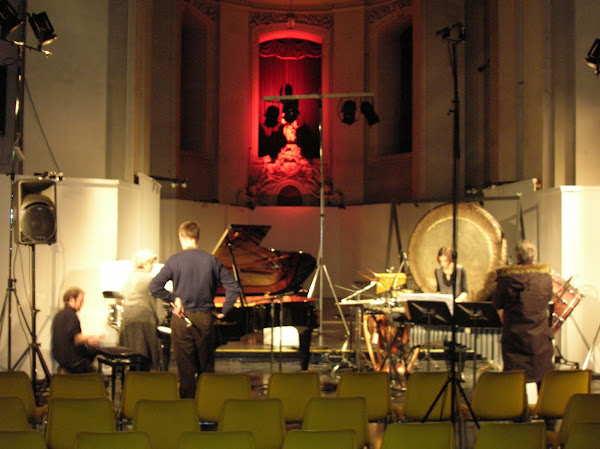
{"x": 481, "y": 247}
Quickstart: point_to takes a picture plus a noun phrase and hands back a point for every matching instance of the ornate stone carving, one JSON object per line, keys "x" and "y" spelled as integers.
{"x": 380, "y": 11}
{"x": 267, "y": 18}
{"x": 209, "y": 9}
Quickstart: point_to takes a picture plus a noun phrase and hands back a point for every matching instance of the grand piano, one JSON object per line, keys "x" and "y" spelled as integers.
{"x": 270, "y": 281}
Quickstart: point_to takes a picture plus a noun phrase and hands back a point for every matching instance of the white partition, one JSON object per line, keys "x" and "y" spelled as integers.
{"x": 97, "y": 221}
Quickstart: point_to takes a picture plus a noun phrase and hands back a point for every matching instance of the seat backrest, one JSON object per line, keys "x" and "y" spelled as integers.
{"x": 262, "y": 417}
{"x": 373, "y": 386}
{"x": 12, "y": 414}
{"x": 422, "y": 387}
{"x": 77, "y": 386}
{"x": 584, "y": 435}
{"x": 320, "y": 439}
{"x": 287, "y": 386}
{"x": 18, "y": 384}
{"x": 499, "y": 395}
{"x": 112, "y": 440}
{"x": 213, "y": 389}
{"x": 68, "y": 416}
{"x": 24, "y": 439}
{"x": 580, "y": 408}
{"x": 216, "y": 440}
{"x": 557, "y": 388}
{"x": 439, "y": 435}
{"x": 159, "y": 386}
{"x": 531, "y": 435}
{"x": 338, "y": 414}
{"x": 165, "y": 421}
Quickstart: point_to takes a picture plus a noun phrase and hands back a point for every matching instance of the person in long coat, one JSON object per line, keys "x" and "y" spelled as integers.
{"x": 140, "y": 320}
{"x": 521, "y": 296}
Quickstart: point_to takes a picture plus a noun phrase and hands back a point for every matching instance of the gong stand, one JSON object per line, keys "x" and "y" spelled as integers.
{"x": 453, "y": 380}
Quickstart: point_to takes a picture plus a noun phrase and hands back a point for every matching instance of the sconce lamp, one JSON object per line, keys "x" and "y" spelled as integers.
{"x": 593, "y": 56}
{"x": 174, "y": 182}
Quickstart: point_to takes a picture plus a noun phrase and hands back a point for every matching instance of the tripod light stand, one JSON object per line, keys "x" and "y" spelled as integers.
{"x": 41, "y": 207}
{"x": 321, "y": 267}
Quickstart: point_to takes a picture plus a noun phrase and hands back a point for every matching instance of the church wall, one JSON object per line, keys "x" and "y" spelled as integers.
{"x": 587, "y": 96}
{"x": 234, "y": 100}
{"x": 69, "y": 92}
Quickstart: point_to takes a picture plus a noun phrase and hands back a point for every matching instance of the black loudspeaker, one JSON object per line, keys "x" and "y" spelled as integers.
{"x": 35, "y": 212}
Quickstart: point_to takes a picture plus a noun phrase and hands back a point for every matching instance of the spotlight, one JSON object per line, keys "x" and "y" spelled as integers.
{"x": 9, "y": 21}
{"x": 593, "y": 56}
{"x": 368, "y": 110}
{"x": 290, "y": 107}
{"x": 349, "y": 112}
{"x": 271, "y": 116}
{"x": 42, "y": 28}
{"x": 290, "y": 110}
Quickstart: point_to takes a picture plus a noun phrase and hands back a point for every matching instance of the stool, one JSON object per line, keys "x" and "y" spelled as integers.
{"x": 119, "y": 358}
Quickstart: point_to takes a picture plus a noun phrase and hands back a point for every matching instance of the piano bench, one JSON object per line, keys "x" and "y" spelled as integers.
{"x": 119, "y": 358}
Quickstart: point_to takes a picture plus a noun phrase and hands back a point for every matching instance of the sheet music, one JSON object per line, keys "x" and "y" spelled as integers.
{"x": 428, "y": 297}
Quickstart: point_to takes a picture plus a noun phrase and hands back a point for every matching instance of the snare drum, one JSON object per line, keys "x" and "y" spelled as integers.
{"x": 565, "y": 297}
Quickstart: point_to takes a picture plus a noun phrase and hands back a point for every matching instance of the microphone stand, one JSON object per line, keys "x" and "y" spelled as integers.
{"x": 452, "y": 378}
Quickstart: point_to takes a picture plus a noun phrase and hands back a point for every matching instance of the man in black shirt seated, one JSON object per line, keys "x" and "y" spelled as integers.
{"x": 74, "y": 351}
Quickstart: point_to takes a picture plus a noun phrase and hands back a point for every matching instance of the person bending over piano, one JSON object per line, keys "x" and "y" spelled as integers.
{"x": 195, "y": 275}
{"x": 444, "y": 274}
{"x": 74, "y": 351}
{"x": 139, "y": 321}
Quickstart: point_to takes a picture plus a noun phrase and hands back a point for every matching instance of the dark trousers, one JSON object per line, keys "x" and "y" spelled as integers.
{"x": 193, "y": 348}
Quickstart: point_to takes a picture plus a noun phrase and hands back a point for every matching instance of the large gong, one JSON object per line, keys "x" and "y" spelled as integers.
{"x": 481, "y": 247}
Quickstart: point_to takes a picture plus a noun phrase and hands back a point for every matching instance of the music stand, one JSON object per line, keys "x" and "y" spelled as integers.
{"x": 476, "y": 315}
{"x": 429, "y": 313}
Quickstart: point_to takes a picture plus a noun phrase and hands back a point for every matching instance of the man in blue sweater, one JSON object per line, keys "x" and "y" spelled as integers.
{"x": 195, "y": 275}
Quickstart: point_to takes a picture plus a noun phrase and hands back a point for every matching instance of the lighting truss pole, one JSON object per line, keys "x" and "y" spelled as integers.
{"x": 321, "y": 267}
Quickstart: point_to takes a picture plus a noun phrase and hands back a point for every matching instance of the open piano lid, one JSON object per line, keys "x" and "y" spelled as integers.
{"x": 261, "y": 270}
{"x": 240, "y": 236}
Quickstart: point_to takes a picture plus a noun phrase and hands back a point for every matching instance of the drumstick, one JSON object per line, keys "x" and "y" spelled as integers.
{"x": 564, "y": 288}
{"x": 188, "y": 322}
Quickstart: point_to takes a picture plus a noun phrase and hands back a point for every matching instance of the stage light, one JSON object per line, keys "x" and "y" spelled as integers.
{"x": 42, "y": 28}
{"x": 290, "y": 107}
{"x": 593, "y": 56}
{"x": 349, "y": 112}
{"x": 368, "y": 110}
{"x": 9, "y": 21}
{"x": 271, "y": 116}
{"x": 290, "y": 110}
